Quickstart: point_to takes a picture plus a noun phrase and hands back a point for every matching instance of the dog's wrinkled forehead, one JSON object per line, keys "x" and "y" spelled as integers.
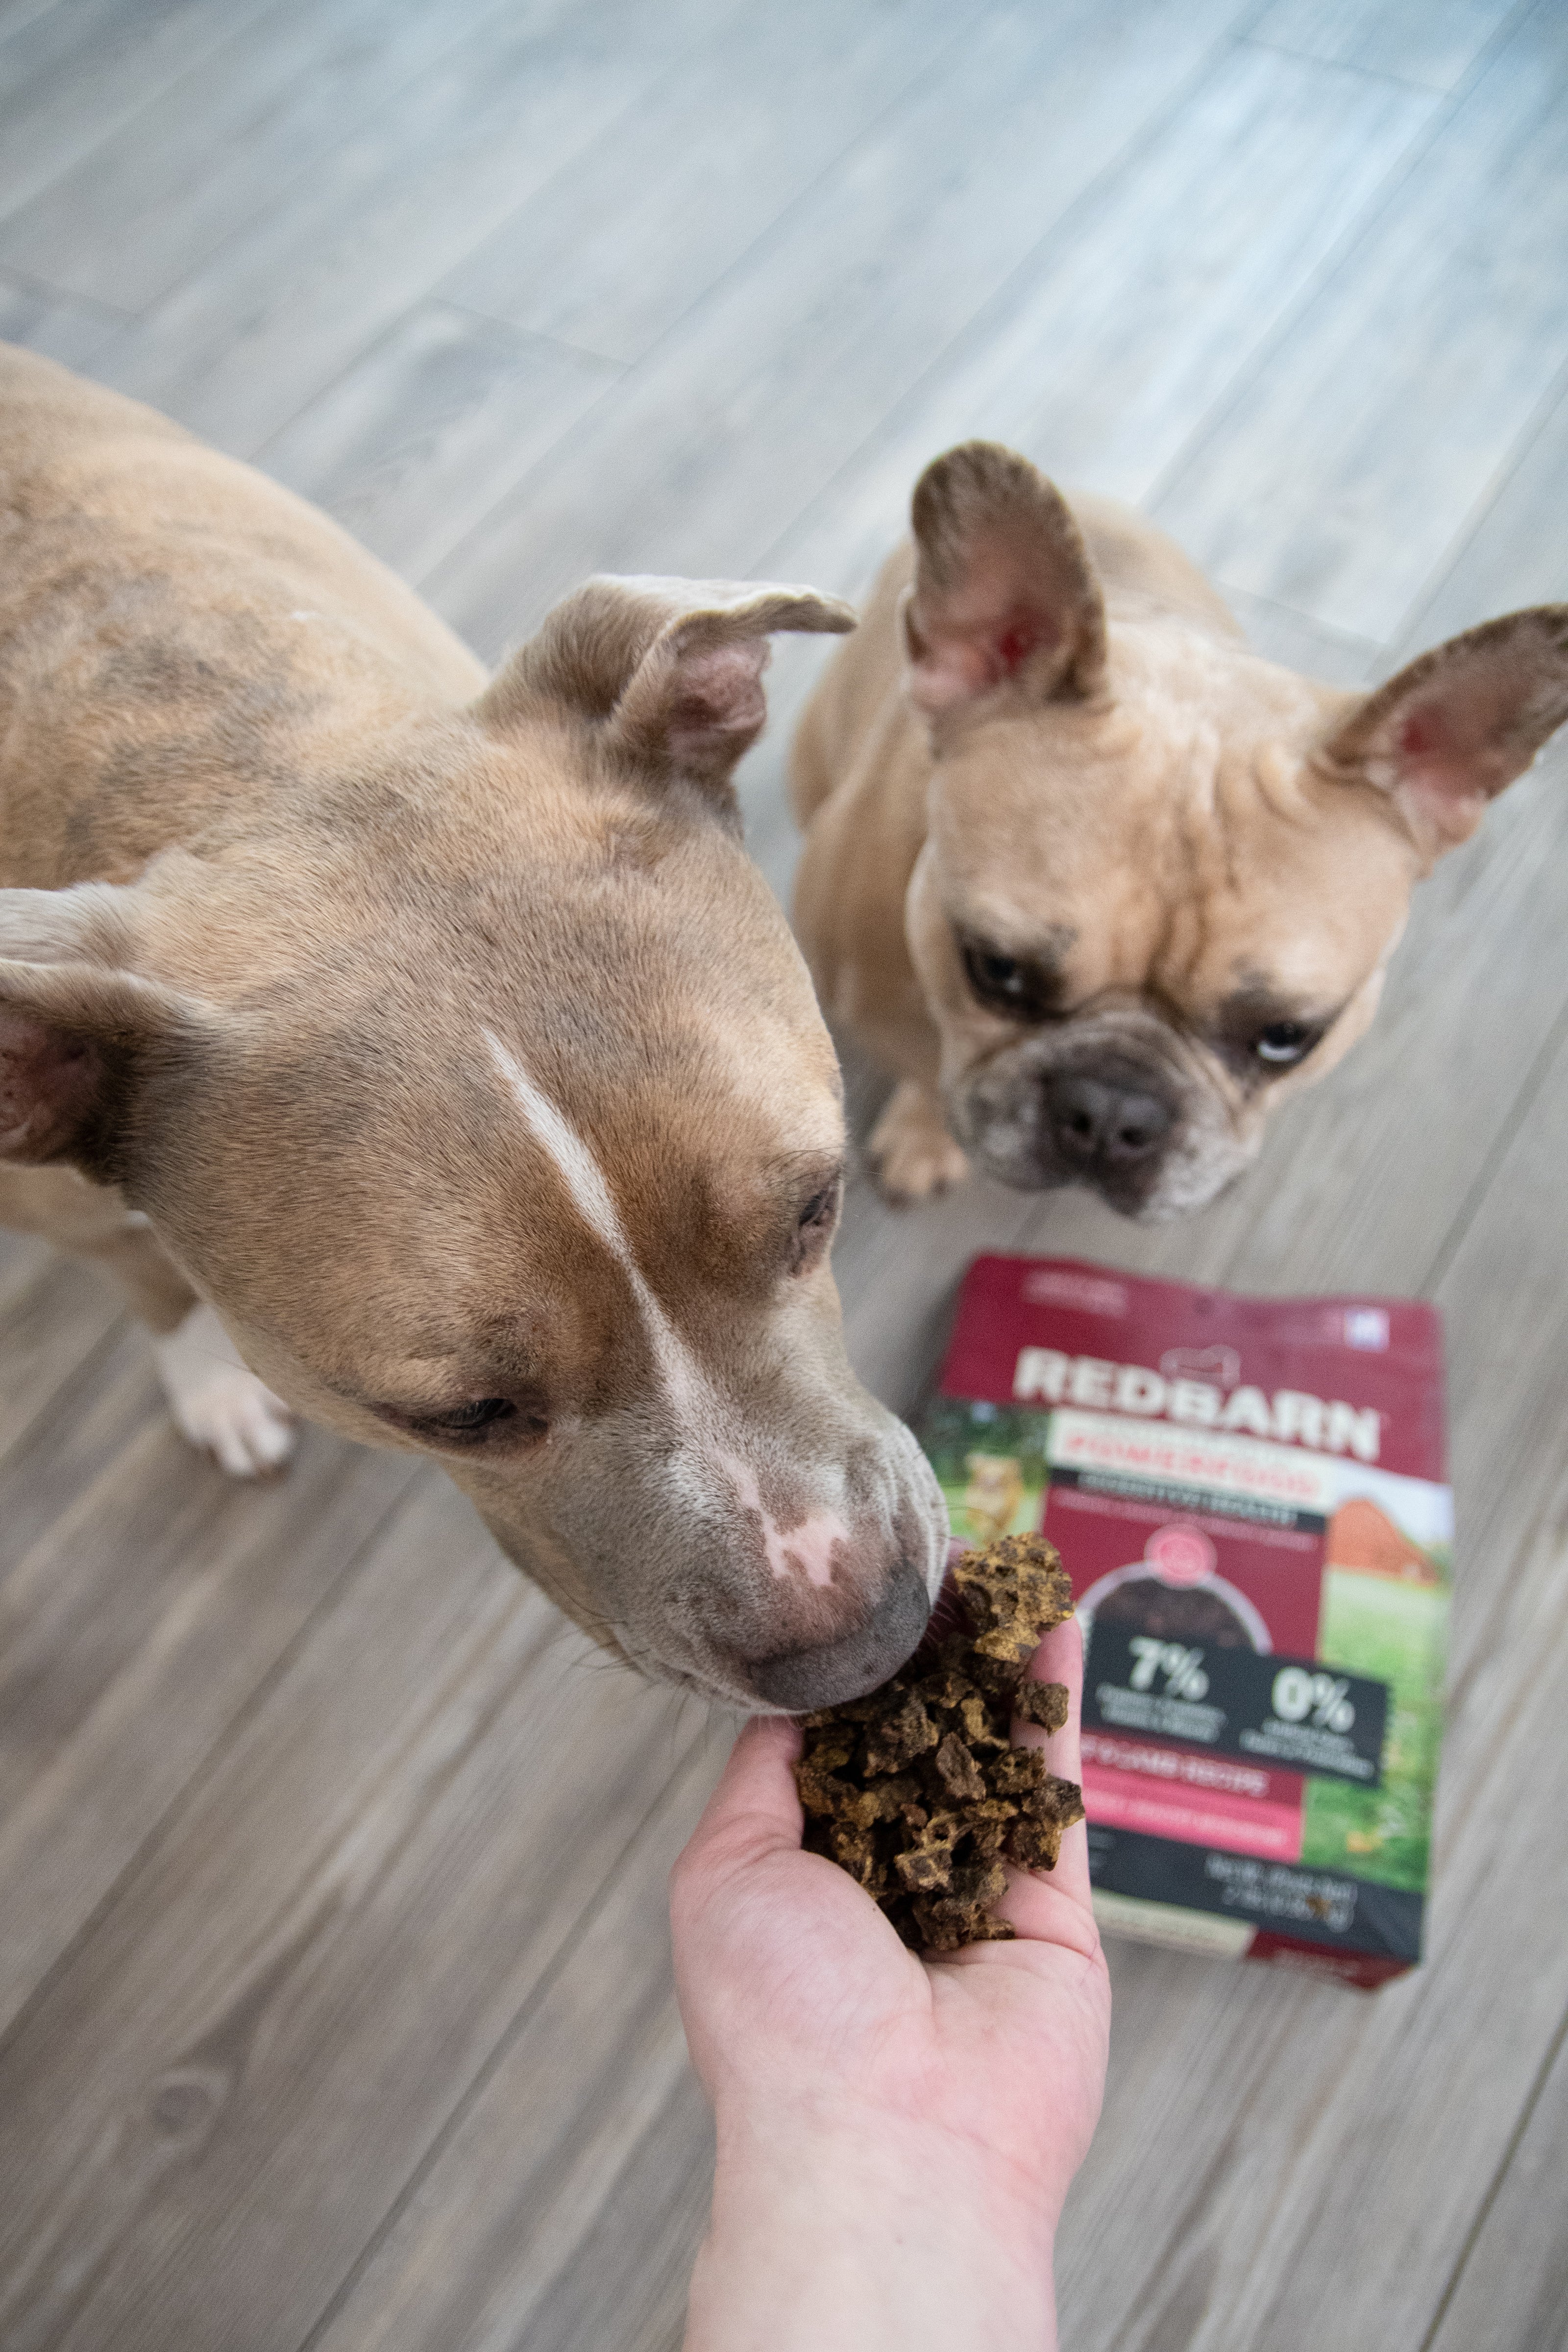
{"x": 1144, "y": 849}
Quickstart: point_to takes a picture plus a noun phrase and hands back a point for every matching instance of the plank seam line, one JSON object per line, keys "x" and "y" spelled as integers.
{"x": 474, "y": 2089}
{"x": 618, "y": 368}
{"x": 1350, "y": 639}
{"x": 1534, "y": 1078}
{"x": 1349, "y": 65}
{"x": 385, "y": 334}
{"x": 1398, "y": 175}
{"x": 26, "y": 282}
{"x": 1494, "y": 2187}
{"x": 614, "y": 372}
{"x": 181, "y": 1799}
{"x": 977, "y": 327}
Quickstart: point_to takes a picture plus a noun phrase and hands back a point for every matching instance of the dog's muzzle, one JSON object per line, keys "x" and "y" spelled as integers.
{"x": 829, "y": 1671}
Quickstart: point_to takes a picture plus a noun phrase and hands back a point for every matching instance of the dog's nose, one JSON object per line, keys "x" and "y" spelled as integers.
{"x": 1104, "y": 1122}
{"x": 856, "y": 1663}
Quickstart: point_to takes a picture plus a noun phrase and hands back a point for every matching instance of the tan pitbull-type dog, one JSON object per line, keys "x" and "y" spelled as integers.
{"x": 1102, "y": 887}
{"x": 436, "y": 1034}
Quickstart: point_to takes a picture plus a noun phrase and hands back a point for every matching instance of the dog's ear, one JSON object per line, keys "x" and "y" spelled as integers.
{"x": 1447, "y": 734}
{"x": 1005, "y": 594}
{"x": 669, "y": 672}
{"x": 74, "y": 1024}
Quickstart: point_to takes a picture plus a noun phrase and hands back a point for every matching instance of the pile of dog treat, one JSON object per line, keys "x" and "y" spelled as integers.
{"x": 917, "y": 1790}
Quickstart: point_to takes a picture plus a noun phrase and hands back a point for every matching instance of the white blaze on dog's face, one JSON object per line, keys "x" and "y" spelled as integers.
{"x": 519, "y": 1144}
{"x": 1162, "y": 877}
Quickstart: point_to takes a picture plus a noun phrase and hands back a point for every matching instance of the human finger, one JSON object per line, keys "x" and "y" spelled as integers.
{"x": 755, "y": 1809}
{"x": 1059, "y": 1659}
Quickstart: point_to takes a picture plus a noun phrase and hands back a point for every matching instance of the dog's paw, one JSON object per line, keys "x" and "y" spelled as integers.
{"x": 218, "y": 1403}
{"x": 911, "y": 1155}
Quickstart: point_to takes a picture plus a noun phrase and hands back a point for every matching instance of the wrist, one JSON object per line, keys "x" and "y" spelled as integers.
{"x": 1015, "y": 2169}
{"x": 832, "y": 2224}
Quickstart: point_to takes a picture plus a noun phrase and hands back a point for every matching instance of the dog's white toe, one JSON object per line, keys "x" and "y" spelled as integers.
{"x": 217, "y": 1402}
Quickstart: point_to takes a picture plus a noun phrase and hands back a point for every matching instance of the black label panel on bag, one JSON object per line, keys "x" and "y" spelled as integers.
{"x": 1290, "y": 1713}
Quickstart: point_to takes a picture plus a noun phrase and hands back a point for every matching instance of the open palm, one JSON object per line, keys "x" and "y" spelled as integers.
{"x": 795, "y": 1987}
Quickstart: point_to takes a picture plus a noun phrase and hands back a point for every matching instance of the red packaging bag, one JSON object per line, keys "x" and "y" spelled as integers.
{"x": 1250, "y": 1497}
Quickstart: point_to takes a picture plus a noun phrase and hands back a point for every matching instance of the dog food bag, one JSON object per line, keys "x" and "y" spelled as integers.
{"x": 1249, "y": 1498}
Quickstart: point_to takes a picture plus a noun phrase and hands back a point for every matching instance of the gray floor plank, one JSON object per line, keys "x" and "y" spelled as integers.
{"x": 727, "y": 431}
{"x": 55, "y": 1315}
{"x": 132, "y": 1632}
{"x": 1338, "y": 505}
{"x": 1103, "y": 356}
{"x": 415, "y": 442}
{"x": 285, "y": 304}
{"x": 565, "y": 2208}
{"x": 72, "y": 74}
{"x": 622, "y": 243}
{"x": 286, "y": 1998}
{"x": 1511, "y": 2295}
{"x": 218, "y": 147}
{"x": 16, "y": 15}
{"x": 1433, "y": 42}
{"x": 103, "y": 1401}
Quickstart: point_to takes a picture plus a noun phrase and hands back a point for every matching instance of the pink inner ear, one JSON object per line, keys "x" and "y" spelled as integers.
{"x": 719, "y": 697}
{"x": 1418, "y": 737}
{"x": 1443, "y": 780}
{"x": 976, "y": 635}
{"x": 1020, "y": 634}
{"x": 47, "y": 1083}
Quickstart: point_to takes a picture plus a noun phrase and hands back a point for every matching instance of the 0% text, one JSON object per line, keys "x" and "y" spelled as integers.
{"x": 1297, "y": 1694}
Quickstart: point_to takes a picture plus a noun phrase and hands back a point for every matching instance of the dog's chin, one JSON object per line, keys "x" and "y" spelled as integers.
{"x": 1170, "y": 1196}
{"x": 645, "y": 1657}
{"x": 1140, "y": 1207}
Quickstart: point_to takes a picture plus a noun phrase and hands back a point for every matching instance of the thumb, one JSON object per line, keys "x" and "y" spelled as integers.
{"x": 755, "y": 1809}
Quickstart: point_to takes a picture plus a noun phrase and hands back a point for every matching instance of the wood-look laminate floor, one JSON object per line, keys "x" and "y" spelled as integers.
{"x": 334, "y": 1998}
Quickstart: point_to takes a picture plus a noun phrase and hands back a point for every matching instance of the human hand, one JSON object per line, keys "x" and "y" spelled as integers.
{"x": 961, "y": 2092}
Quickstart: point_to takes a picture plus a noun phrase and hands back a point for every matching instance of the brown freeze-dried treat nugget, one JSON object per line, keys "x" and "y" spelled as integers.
{"x": 917, "y": 1790}
{"x": 1042, "y": 1703}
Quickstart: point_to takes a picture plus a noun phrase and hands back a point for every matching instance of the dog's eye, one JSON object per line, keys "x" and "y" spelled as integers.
{"x": 815, "y": 1222}
{"x": 478, "y": 1421}
{"x": 1283, "y": 1042}
{"x": 464, "y": 1420}
{"x": 818, "y": 1210}
{"x": 1000, "y": 975}
{"x": 1006, "y": 983}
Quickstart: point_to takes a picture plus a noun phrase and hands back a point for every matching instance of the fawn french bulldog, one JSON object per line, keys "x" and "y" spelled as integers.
{"x": 421, "y": 1048}
{"x": 1099, "y": 884}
